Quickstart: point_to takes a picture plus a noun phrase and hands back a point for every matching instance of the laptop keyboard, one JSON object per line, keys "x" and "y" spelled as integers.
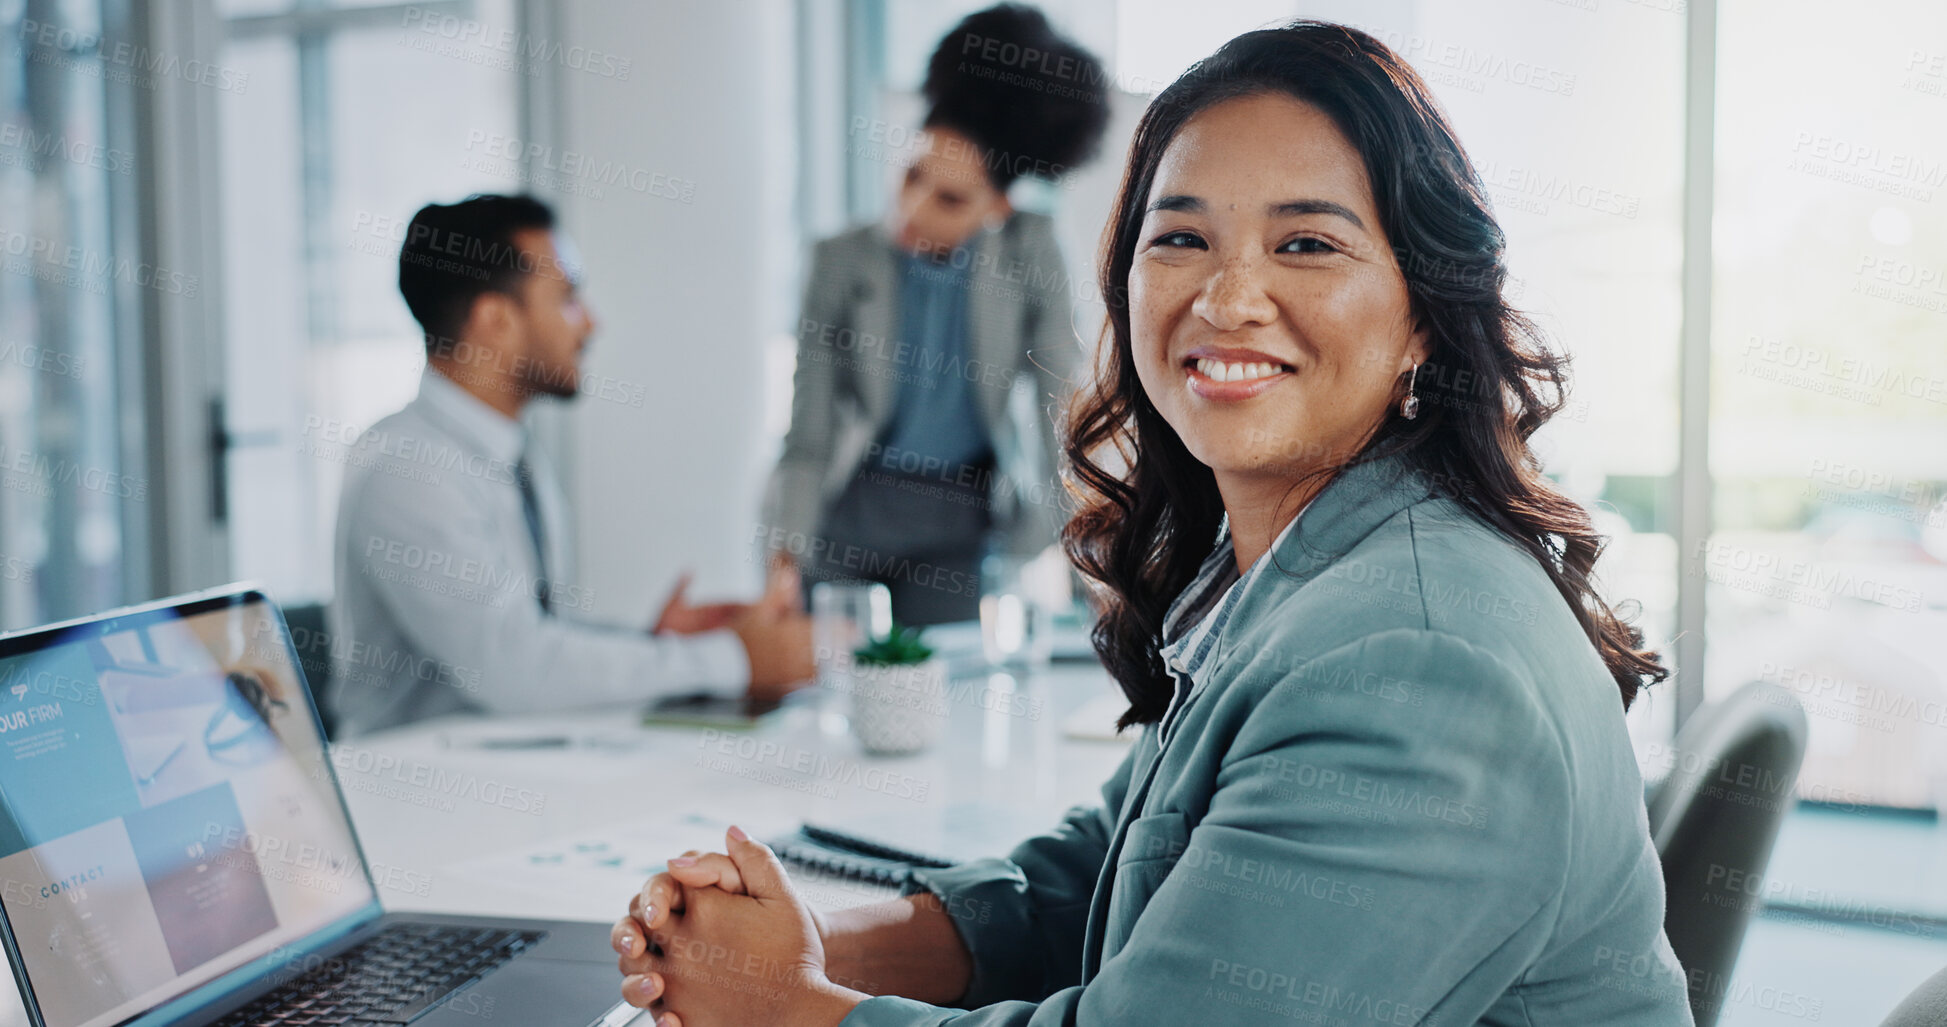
{"x": 391, "y": 979}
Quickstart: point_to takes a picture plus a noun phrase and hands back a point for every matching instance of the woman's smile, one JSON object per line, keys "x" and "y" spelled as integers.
{"x": 1225, "y": 374}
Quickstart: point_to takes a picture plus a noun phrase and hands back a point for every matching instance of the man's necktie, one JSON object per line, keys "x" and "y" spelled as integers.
{"x": 531, "y": 506}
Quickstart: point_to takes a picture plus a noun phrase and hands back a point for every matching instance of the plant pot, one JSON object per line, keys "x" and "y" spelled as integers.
{"x": 898, "y": 708}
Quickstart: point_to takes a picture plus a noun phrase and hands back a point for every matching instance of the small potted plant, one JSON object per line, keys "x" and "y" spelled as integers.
{"x": 898, "y": 693}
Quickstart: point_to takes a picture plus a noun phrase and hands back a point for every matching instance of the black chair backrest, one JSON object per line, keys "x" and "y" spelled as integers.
{"x": 313, "y": 642}
{"x": 1714, "y": 820}
{"x": 1926, "y": 1006}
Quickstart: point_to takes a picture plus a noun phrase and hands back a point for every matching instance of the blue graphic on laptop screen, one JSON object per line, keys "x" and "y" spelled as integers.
{"x": 166, "y": 814}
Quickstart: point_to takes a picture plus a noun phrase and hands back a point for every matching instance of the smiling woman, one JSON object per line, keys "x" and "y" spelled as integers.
{"x": 1382, "y": 774}
{"x": 1299, "y": 231}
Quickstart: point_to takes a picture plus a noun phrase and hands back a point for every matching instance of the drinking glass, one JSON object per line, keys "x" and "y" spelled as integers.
{"x": 1017, "y": 596}
{"x": 844, "y": 616}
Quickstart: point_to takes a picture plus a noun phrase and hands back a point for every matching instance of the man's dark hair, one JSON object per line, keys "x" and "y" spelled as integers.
{"x": 454, "y": 253}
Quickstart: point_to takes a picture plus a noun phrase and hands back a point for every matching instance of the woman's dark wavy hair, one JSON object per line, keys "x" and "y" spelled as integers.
{"x": 1150, "y": 511}
{"x": 1033, "y": 99}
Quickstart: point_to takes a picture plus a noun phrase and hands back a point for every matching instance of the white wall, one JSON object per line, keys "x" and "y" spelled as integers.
{"x": 685, "y": 293}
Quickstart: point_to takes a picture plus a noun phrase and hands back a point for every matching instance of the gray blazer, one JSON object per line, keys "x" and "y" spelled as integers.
{"x": 851, "y": 363}
{"x": 1400, "y": 793}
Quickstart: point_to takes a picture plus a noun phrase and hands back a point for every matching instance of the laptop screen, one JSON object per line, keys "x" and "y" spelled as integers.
{"x": 167, "y": 812}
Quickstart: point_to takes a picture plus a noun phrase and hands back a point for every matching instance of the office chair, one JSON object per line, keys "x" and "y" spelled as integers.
{"x": 1714, "y": 820}
{"x": 1925, "y": 1006}
{"x": 308, "y": 630}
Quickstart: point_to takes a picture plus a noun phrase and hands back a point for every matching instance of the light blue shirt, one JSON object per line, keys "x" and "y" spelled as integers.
{"x": 937, "y": 424}
{"x": 1197, "y": 616}
{"x": 435, "y": 610}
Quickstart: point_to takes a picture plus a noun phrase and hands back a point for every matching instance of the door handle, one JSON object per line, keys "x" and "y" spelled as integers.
{"x": 221, "y": 440}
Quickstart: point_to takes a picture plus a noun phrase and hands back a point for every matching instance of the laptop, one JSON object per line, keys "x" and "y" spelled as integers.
{"x": 175, "y": 848}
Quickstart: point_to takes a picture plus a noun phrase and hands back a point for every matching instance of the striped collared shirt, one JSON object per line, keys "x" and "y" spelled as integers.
{"x": 1196, "y": 619}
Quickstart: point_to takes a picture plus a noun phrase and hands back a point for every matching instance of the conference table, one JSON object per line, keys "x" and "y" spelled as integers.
{"x": 563, "y": 815}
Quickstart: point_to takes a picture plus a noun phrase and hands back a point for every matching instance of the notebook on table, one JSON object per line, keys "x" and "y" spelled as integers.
{"x": 833, "y": 853}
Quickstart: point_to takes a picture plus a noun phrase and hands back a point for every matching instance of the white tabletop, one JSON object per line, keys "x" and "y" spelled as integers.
{"x": 452, "y": 826}
{"x": 563, "y": 831}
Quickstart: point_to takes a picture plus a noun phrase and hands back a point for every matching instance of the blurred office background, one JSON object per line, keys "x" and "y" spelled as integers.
{"x": 1733, "y": 215}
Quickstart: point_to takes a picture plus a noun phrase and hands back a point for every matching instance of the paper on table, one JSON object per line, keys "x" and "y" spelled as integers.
{"x": 590, "y": 876}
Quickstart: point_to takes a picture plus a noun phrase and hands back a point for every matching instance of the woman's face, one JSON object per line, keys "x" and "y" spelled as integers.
{"x": 946, "y": 195}
{"x": 1269, "y": 318}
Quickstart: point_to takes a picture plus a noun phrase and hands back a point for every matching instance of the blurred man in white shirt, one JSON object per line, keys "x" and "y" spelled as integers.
{"x": 451, "y": 529}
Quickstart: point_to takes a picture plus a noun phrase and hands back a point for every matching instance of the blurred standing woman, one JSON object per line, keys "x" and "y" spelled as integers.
{"x": 909, "y": 455}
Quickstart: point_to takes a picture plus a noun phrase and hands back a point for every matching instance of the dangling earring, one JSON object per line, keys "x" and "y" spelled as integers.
{"x": 1409, "y": 407}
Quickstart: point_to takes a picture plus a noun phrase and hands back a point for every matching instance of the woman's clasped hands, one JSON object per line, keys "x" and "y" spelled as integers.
{"x": 722, "y": 940}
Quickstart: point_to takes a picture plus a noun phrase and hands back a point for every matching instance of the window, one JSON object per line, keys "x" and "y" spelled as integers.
{"x": 74, "y": 491}
{"x": 357, "y": 115}
{"x": 1829, "y": 405}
